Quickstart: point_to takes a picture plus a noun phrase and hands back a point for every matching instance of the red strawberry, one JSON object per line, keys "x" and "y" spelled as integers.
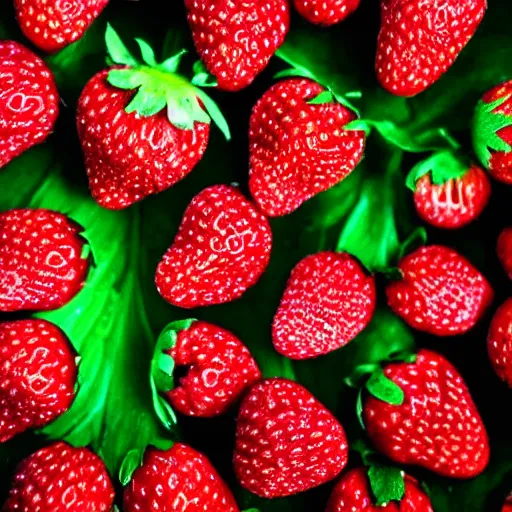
{"x": 326, "y": 12}
{"x": 41, "y": 263}
{"x": 419, "y": 40}
{"x": 29, "y": 101}
{"x": 353, "y": 494}
{"x": 437, "y": 426}
{"x": 222, "y": 247}
{"x": 140, "y": 143}
{"x": 328, "y": 301}
{"x": 236, "y": 40}
{"x": 504, "y": 250}
{"x": 178, "y": 479}
{"x": 440, "y": 292}
{"x": 499, "y": 342}
{"x": 507, "y": 506}
{"x": 53, "y": 24}
{"x": 455, "y": 202}
{"x": 299, "y": 149}
{"x": 37, "y": 375}
{"x": 61, "y": 478}
{"x": 492, "y": 131}
{"x": 221, "y": 368}
{"x": 286, "y": 441}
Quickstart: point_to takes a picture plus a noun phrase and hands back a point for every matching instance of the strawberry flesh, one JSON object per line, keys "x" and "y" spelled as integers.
{"x": 61, "y": 478}
{"x": 353, "y": 494}
{"x": 177, "y": 479}
{"x": 440, "y": 292}
{"x": 41, "y": 264}
{"x": 29, "y": 102}
{"x": 298, "y": 150}
{"x": 286, "y": 441}
{"x": 328, "y": 301}
{"x": 220, "y": 369}
{"x": 504, "y": 250}
{"x": 222, "y": 248}
{"x": 438, "y": 425}
{"x": 236, "y": 40}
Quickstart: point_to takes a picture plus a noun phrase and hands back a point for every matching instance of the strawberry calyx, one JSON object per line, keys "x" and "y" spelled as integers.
{"x": 387, "y": 484}
{"x": 442, "y": 166}
{"x": 162, "y": 370}
{"x": 485, "y": 127}
{"x": 384, "y": 389}
{"x": 159, "y": 86}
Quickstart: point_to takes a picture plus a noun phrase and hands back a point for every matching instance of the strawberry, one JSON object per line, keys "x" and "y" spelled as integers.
{"x": 37, "y": 375}
{"x": 507, "y": 506}
{"x": 222, "y": 247}
{"x": 352, "y": 493}
{"x": 286, "y": 441}
{"x": 326, "y": 12}
{"x": 492, "y": 131}
{"x": 298, "y": 145}
{"x": 43, "y": 261}
{"x": 328, "y": 301}
{"x": 29, "y": 101}
{"x": 53, "y": 24}
{"x": 236, "y": 40}
{"x": 220, "y": 369}
{"x": 178, "y": 479}
{"x": 453, "y": 203}
{"x": 436, "y": 426}
{"x": 440, "y": 292}
{"x": 141, "y": 143}
{"x": 499, "y": 342}
{"x": 419, "y": 40}
{"x": 61, "y": 478}
{"x": 504, "y": 250}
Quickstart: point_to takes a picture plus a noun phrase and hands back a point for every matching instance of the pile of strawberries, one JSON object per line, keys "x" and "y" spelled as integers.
{"x": 143, "y": 127}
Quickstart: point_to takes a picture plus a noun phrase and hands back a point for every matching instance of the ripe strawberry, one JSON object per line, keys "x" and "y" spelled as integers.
{"x": 352, "y": 493}
{"x": 507, "y": 506}
{"x": 504, "y": 250}
{"x": 286, "y": 441}
{"x": 499, "y": 342}
{"x": 440, "y": 292}
{"x": 37, "y": 375}
{"x": 419, "y": 40}
{"x": 455, "y": 202}
{"x": 177, "y": 479}
{"x": 437, "y": 426}
{"x": 222, "y": 247}
{"x": 41, "y": 263}
{"x": 492, "y": 131}
{"x": 52, "y": 24}
{"x": 29, "y": 101}
{"x": 328, "y": 301}
{"x": 61, "y": 478}
{"x": 237, "y": 40}
{"x": 299, "y": 149}
{"x": 220, "y": 369}
{"x": 326, "y": 12}
{"x": 141, "y": 143}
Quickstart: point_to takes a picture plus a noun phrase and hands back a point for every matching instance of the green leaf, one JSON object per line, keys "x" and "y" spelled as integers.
{"x": 215, "y": 113}
{"x": 443, "y": 166}
{"x": 148, "y": 55}
{"x": 147, "y": 102}
{"x": 414, "y": 241}
{"x": 485, "y": 128}
{"x": 117, "y": 50}
{"x": 322, "y": 98}
{"x": 202, "y": 78}
{"x": 131, "y": 462}
{"x": 387, "y": 484}
{"x": 359, "y": 408}
{"x": 385, "y": 389}
{"x": 126, "y": 78}
{"x": 172, "y": 64}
